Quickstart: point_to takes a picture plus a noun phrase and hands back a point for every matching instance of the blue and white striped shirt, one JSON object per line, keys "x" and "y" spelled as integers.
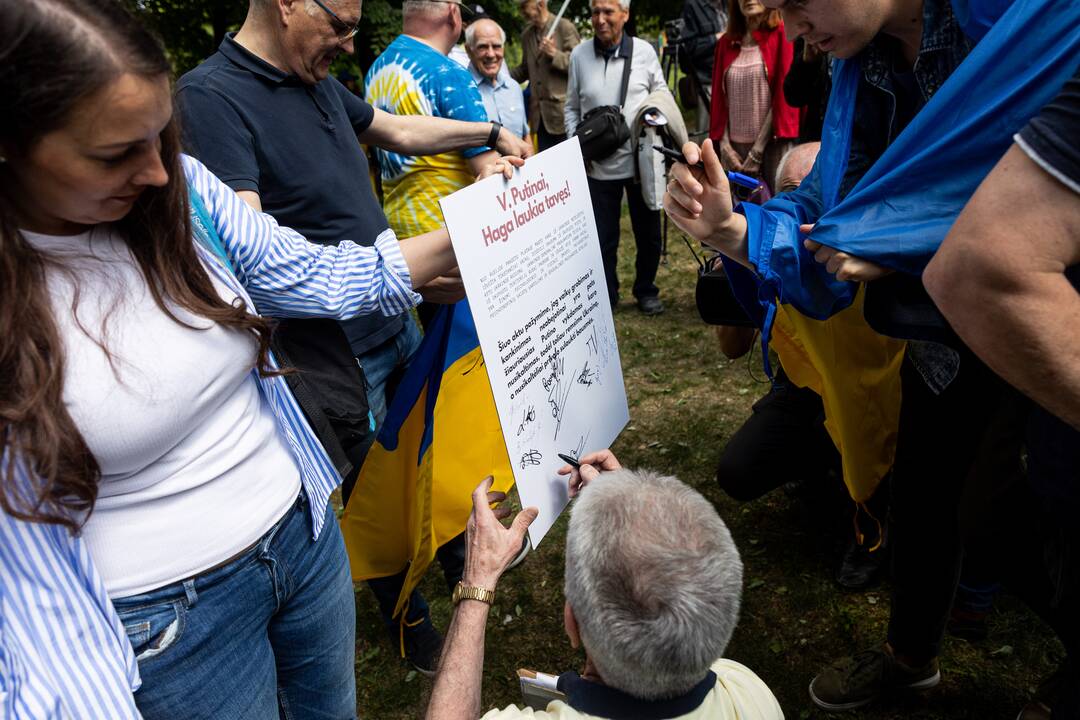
{"x": 63, "y": 649}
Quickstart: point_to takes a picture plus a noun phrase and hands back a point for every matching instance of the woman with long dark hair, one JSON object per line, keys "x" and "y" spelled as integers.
{"x": 140, "y": 405}
{"x": 751, "y": 121}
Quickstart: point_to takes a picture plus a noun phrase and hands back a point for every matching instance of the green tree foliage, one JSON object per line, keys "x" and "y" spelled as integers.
{"x": 192, "y": 29}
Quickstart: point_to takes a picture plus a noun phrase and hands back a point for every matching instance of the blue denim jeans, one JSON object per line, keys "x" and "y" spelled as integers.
{"x": 270, "y": 634}
{"x": 383, "y": 367}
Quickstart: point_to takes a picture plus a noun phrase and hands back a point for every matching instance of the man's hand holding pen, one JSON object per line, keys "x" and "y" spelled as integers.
{"x": 589, "y": 468}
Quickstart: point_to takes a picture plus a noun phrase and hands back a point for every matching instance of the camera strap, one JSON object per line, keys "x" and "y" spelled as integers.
{"x": 626, "y": 74}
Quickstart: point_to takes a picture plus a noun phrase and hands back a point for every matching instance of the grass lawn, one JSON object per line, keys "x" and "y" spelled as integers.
{"x": 685, "y": 400}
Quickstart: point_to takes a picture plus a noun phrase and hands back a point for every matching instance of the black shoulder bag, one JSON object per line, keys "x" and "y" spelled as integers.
{"x": 603, "y": 130}
{"x": 328, "y": 383}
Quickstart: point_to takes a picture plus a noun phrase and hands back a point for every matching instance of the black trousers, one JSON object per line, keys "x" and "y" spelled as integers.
{"x": 940, "y": 437}
{"x": 785, "y": 437}
{"x": 607, "y": 198}
{"x": 451, "y": 557}
{"x": 1027, "y": 523}
{"x": 1054, "y": 467}
{"x": 545, "y": 139}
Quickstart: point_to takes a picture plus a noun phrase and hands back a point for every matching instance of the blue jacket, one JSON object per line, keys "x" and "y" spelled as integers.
{"x": 889, "y": 199}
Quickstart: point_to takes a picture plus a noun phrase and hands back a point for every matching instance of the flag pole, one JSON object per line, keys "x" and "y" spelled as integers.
{"x": 558, "y": 17}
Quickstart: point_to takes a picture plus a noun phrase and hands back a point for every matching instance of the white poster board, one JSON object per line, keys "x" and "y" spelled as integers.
{"x": 530, "y": 258}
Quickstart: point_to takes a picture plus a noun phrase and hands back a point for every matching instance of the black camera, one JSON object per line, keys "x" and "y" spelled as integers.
{"x": 674, "y": 29}
{"x": 715, "y": 298}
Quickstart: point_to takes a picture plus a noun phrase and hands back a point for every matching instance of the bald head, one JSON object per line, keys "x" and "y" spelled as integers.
{"x": 483, "y": 28}
{"x": 436, "y": 22}
{"x": 795, "y": 165}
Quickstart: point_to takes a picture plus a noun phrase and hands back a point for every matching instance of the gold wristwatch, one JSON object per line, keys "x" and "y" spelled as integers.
{"x": 467, "y": 592}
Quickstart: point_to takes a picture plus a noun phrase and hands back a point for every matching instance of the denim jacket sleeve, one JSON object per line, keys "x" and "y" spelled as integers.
{"x": 287, "y": 276}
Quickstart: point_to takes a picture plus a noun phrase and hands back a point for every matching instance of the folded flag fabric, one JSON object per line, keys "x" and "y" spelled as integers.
{"x": 859, "y": 386}
{"x": 441, "y": 437}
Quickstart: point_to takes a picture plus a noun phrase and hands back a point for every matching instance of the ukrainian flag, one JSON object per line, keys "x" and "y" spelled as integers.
{"x": 441, "y": 436}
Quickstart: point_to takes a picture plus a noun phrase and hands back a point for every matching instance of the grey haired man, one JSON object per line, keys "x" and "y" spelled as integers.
{"x": 653, "y": 588}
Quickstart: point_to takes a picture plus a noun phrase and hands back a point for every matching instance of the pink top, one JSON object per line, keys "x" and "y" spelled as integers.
{"x": 746, "y": 85}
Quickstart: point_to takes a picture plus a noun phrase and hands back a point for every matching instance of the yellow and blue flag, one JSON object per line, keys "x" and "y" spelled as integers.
{"x": 441, "y": 436}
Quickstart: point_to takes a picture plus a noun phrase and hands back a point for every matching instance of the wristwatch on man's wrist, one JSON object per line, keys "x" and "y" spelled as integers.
{"x": 493, "y": 136}
{"x": 468, "y": 592}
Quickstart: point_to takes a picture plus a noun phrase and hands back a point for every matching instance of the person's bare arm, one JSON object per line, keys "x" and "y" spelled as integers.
{"x": 427, "y": 135}
{"x": 752, "y": 164}
{"x": 478, "y": 163}
{"x": 489, "y": 549}
{"x": 448, "y": 287}
{"x": 999, "y": 280}
{"x": 568, "y": 40}
{"x": 456, "y": 695}
{"x": 428, "y": 256}
{"x": 251, "y": 198}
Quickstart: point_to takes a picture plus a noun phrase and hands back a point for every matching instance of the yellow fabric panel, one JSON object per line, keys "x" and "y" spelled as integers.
{"x": 468, "y": 444}
{"x": 382, "y": 522}
{"x": 857, "y": 373}
{"x": 411, "y": 200}
{"x": 399, "y": 513}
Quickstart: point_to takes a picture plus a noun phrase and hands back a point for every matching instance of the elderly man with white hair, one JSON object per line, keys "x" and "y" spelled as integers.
{"x": 595, "y": 80}
{"x": 653, "y": 586}
{"x": 503, "y": 99}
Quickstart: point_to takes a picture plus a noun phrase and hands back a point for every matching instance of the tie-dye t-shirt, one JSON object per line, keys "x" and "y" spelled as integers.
{"x": 411, "y": 78}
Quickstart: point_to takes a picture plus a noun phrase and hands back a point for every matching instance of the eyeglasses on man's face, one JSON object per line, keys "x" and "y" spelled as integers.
{"x": 342, "y": 29}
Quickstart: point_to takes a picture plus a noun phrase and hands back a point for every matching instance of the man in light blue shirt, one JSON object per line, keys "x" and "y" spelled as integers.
{"x": 505, "y": 104}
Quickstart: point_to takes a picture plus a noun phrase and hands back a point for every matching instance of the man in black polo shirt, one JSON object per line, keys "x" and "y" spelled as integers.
{"x": 265, "y": 117}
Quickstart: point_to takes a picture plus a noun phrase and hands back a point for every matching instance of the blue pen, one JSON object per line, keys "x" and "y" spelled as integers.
{"x": 744, "y": 180}
{"x": 733, "y": 177}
